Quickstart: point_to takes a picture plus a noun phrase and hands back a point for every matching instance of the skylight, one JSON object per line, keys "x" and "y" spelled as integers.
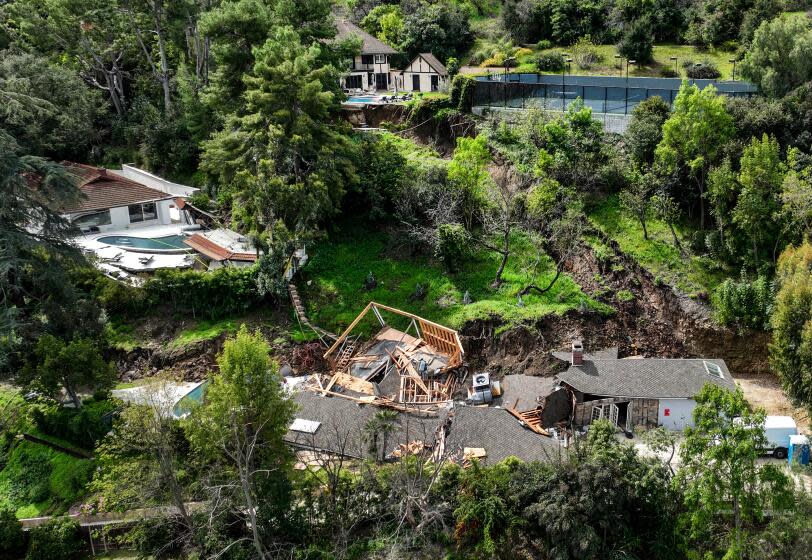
{"x": 305, "y": 426}
{"x": 713, "y": 369}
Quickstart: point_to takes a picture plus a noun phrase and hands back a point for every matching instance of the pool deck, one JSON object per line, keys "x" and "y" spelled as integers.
{"x": 119, "y": 262}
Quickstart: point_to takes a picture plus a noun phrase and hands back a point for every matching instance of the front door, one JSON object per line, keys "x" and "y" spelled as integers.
{"x": 415, "y": 82}
{"x": 435, "y": 82}
{"x": 381, "y": 81}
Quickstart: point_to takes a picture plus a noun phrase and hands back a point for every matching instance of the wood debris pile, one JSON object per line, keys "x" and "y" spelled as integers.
{"x": 416, "y": 447}
{"x": 395, "y": 369}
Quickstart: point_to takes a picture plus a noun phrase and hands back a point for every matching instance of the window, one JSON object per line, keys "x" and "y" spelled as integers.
{"x": 605, "y": 412}
{"x": 94, "y": 219}
{"x": 353, "y": 82}
{"x": 143, "y": 212}
{"x": 713, "y": 369}
{"x": 380, "y": 59}
{"x": 366, "y": 59}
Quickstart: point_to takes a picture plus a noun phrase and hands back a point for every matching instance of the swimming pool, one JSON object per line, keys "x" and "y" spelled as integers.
{"x": 365, "y": 99}
{"x": 192, "y": 399}
{"x": 168, "y": 243}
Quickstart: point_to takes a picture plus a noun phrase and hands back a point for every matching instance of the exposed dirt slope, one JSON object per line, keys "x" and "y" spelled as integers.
{"x": 655, "y": 322}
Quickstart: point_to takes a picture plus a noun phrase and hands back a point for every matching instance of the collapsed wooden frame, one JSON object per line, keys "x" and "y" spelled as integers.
{"x": 442, "y": 339}
{"x": 416, "y": 389}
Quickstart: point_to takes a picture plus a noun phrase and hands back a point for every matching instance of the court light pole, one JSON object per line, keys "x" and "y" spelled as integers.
{"x": 628, "y": 62}
{"x": 620, "y": 59}
{"x": 567, "y": 61}
{"x": 733, "y": 60}
{"x": 674, "y": 58}
{"x": 509, "y": 60}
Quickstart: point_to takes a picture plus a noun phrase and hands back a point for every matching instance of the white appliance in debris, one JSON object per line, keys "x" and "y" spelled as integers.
{"x": 481, "y": 392}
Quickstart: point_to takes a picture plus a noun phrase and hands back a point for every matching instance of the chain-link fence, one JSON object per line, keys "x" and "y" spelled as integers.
{"x": 604, "y": 94}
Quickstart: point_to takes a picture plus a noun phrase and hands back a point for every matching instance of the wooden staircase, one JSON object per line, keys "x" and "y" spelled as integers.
{"x": 301, "y": 315}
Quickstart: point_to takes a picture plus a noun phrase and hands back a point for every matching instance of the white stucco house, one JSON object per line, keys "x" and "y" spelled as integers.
{"x": 370, "y": 69}
{"x": 633, "y": 392}
{"x": 123, "y": 199}
{"x": 424, "y": 73}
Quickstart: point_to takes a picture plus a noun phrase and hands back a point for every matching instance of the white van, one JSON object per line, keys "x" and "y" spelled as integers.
{"x": 778, "y": 429}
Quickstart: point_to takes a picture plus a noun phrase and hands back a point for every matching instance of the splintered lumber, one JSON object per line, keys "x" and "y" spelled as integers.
{"x": 353, "y": 383}
{"x": 330, "y": 384}
{"x": 415, "y": 447}
{"x": 531, "y": 419}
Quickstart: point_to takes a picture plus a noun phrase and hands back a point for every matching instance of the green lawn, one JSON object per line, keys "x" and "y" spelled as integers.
{"x": 338, "y": 268}
{"x": 609, "y": 66}
{"x": 204, "y": 330}
{"x": 690, "y": 274}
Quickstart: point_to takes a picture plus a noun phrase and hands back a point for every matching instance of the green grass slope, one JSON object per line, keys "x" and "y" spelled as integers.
{"x": 333, "y": 281}
{"x": 688, "y": 273}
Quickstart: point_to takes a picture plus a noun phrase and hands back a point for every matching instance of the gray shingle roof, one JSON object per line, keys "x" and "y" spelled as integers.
{"x": 523, "y": 391}
{"x": 434, "y": 63}
{"x": 370, "y": 44}
{"x": 342, "y": 425}
{"x": 645, "y": 378}
{"x": 605, "y": 354}
{"x": 500, "y": 434}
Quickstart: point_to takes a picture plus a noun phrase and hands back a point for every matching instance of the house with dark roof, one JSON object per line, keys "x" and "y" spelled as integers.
{"x": 424, "y": 73}
{"x": 369, "y": 69}
{"x": 123, "y": 199}
{"x": 638, "y": 391}
{"x": 492, "y": 434}
{"x": 340, "y": 426}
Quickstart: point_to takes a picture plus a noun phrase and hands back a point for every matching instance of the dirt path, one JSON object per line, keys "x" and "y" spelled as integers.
{"x": 765, "y": 391}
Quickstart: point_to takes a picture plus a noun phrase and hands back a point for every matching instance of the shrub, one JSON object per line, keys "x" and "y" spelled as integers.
{"x": 702, "y": 70}
{"x": 550, "y": 62}
{"x": 669, "y": 72}
{"x": 223, "y": 291}
{"x": 83, "y": 427}
{"x": 452, "y": 245}
{"x": 59, "y": 538}
{"x": 202, "y": 201}
{"x": 543, "y": 45}
{"x": 11, "y": 535}
{"x": 585, "y": 53}
{"x": 637, "y": 43}
{"x": 463, "y": 89}
{"x": 452, "y": 65}
{"x": 744, "y": 304}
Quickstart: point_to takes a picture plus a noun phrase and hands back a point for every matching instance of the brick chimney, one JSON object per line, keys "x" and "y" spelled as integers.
{"x": 577, "y": 353}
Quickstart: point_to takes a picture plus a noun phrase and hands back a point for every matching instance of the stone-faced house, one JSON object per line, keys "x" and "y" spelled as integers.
{"x": 370, "y": 69}
{"x": 638, "y": 391}
{"x": 424, "y": 73}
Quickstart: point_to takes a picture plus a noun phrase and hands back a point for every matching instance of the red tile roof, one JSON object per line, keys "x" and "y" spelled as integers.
{"x": 203, "y": 245}
{"x": 103, "y": 189}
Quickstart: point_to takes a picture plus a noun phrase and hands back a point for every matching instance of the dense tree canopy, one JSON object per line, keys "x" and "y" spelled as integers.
{"x": 780, "y": 57}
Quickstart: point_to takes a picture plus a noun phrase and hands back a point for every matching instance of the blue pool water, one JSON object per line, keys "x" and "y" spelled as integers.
{"x": 356, "y": 99}
{"x": 193, "y": 399}
{"x": 170, "y": 242}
